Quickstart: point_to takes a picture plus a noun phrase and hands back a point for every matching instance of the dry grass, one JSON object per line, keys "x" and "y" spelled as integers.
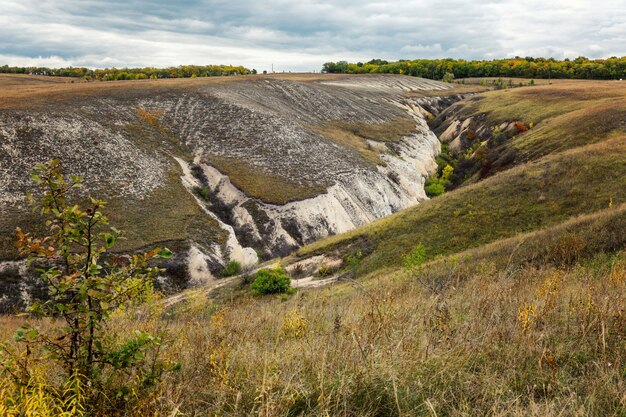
{"x": 266, "y": 186}
{"x": 593, "y": 123}
{"x": 453, "y": 90}
{"x": 390, "y": 131}
{"x": 349, "y": 139}
{"x": 514, "y": 80}
{"x": 394, "y": 348}
{"x": 529, "y": 342}
{"x": 541, "y": 102}
{"x": 28, "y": 91}
{"x": 355, "y": 135}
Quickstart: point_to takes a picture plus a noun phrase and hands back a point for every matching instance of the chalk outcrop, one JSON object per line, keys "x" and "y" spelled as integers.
{"x": 170, "y": 150}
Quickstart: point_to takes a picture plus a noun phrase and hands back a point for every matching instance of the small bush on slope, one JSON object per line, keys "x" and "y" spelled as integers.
{"x": 271, "y": 281}
{"x": 232, "y": 268}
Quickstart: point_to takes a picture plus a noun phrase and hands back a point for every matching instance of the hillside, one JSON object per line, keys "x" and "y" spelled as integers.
{"x": 571, "y": 162}
{"x": 517, "y": 311}
{"x": 502, "y": 297}
{"x": 222, "y": 168}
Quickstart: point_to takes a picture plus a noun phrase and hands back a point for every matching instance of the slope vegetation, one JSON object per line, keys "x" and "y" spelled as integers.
{"x": 571, "y": 162}
{"x": 220, "y": 169}
{"x": 518, "y": 309}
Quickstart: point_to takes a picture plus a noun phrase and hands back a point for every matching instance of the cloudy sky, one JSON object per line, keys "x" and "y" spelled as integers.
{"x": 301, "y": 35}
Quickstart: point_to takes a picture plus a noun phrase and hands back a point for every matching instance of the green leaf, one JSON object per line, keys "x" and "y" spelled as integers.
{"x": 109, "y": 239}
{"x": 32, "y": 334}
{"x": 166, "y": 253}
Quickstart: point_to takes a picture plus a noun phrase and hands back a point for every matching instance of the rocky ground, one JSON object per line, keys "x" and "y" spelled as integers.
{"x": 236, "y": 169}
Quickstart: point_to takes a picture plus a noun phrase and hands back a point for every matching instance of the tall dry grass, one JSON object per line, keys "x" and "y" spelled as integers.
{"x": 520, "y": 342}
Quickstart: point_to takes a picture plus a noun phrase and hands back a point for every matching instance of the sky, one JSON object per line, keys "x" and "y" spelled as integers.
{"x": 302, "y": 35}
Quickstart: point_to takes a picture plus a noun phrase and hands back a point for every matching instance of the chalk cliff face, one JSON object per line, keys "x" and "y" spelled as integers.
{"x": 223, "y": 170}
{"x": 357, "y": 197}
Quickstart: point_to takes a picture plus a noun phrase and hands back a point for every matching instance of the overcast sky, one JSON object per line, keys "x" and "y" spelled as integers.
{"x": 302, "y": 35}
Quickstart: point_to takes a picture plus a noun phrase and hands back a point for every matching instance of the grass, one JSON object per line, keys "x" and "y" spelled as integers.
{"x": 170, "y": 213}
{"x": 542, "y": 102}
{"x": 266, "y": 186}
{"x": 525, "y": 198}
{"x": 566, "y": 115}
{"x": 357, "y": 135}
{"x": 392, "y": 130}
{"x": 559, "y": 246}
{"x": 533, "y": 341}
{"x": 453, "y": 90}
{"x": 591, "y": 124}
{"x": 391, "y": 347}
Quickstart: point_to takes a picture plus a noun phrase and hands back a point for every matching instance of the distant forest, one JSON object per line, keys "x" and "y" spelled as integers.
{"x": 113, "y": 74}
{"x": 582, "y": 68}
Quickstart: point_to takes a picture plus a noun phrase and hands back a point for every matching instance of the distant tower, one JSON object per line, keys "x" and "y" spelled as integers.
{"x": 272, "y": 68}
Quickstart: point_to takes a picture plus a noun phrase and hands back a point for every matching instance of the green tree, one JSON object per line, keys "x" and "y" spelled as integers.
{"x": 448, "y": 77}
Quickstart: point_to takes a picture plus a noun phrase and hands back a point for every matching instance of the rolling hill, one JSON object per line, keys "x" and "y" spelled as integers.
{"x": 503, "y": 297}
{"x": 222, "y": 169}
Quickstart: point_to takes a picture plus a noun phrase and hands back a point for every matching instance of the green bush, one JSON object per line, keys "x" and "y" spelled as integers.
{"x": 326, "y": 271}
{"x": 271, "y": 281}
{"x": 415, "y": 258}
{"x": 437, "y": 184}
{"x": 434, "y": 187}
{"x": 232, "y": 268}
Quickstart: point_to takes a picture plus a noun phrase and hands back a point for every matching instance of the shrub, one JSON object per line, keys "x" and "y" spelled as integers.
{"x": 567, "y": 249}
{"x": 415, "y": 258}
{"x": 326, "y": 270}
{"x": 352, "y": 261}
{"x": 438, "y": 183}
{"x": 87, "y": 285}
{"x": 271, "y": 281}
{"x": 521, "y": 127}
{"x": 434, "y": 187}
{"x": 232, "y": 268}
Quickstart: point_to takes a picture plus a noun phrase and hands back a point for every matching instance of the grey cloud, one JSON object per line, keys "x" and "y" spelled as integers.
{"x": 302, "y": 35}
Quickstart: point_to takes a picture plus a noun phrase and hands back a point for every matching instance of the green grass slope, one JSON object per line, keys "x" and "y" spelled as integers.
{"x": 577, "y": 165}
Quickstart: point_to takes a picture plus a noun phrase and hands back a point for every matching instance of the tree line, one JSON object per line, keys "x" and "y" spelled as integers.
{"x": 582, "y": 68}
{"x": 113, "y": 74}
